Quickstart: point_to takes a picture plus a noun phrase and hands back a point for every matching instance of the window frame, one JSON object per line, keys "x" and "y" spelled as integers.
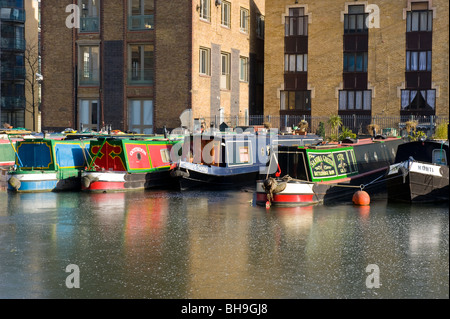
{"x": 146, "y": 21}
{"x": 225, "y": 22}
{"x": 225, "y": 71}
{"x": 357, "y": 16}
{"x": 289, "y": 101}
{"x": 139, "y": 75}
{"x": 295, "y": 69}
{"x": 404, "y": 107}
{"x": 243, "y": 69}
{"x": 205, "y": 10}
{"x": 89, "y": 18}
{"x": 207, "y": 63}
{"x": 93, "y": 73}
{"x": 141, "y": 126}
{"x": 244, "y": 20}
{"x": 354, "y": 98}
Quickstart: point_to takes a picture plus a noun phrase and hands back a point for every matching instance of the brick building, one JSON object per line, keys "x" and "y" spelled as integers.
{"x": 138, "y": 64}
{"x": 374, "y": 58}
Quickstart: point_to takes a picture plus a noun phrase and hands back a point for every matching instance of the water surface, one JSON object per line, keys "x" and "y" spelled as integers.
{"x": 167, "y": 244}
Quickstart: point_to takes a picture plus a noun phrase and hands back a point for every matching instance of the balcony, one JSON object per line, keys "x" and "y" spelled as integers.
{"x": 13, "y": 73}
{"x": 13, "y": 102}
{"x": 140, "y": 76}
{"x": 142, "y": 22}
{"x": 12, "y": 14}
{"x": 12, "y": 44}
{"x": 89, "y": 24}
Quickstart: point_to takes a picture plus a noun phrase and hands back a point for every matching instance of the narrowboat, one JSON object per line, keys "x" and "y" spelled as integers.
{"x": 420, "y": 173}
{"x": 48, "y": 165}
{"x": 327, "y": 173}
{"x": 129, "y": 163}
{"x": 229, "y": 160}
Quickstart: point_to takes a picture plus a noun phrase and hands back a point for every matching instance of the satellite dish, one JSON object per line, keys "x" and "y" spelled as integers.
{"x": 218, "y": 2}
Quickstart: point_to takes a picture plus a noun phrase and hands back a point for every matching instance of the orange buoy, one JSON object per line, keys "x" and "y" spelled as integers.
{"x": 361, "y": 198}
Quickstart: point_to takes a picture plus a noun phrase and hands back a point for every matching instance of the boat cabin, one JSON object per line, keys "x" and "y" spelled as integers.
{"x": 435, "y": 152}
{"x": 50, "y": 154}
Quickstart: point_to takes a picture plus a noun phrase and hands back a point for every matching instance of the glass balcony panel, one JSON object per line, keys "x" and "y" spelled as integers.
{"x": 140, "y": 76}
{"x": 141, "y": 22}
{"x": 89, "y": 24}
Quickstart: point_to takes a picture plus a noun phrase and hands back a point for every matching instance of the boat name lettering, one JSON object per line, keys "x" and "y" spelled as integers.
{"x": 197, "y": 167}
{"x": 136, "y": 150}
{"x": 425, "y": 169}
{"x": 322, "y": 165}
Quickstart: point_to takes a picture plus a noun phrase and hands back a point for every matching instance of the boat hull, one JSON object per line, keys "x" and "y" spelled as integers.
{"x": 419, "y": 183}
{"x": 191, "y": 179}
{"x": 42, "y": 182}
{"x": 298, "y": 193}
{"x": 124, "y": 181}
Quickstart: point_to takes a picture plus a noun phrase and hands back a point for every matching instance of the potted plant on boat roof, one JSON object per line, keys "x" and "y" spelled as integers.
{"x": 373, "y": 129}
{"x": 302, "y": 127}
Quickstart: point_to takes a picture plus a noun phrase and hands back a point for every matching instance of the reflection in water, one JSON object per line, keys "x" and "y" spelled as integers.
{"x": 164, "y": 244}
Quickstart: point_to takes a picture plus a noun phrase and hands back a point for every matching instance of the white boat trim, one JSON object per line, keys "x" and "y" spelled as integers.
{"x": 105, "y": 176}
{"x": 39, "y": 177}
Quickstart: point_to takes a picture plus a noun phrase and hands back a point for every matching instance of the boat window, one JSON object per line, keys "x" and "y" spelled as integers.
{"x": 244, "y": 156}
{"x": 439, "y": 157}
{"x": 165, "y": 155}
{"x": 239, "y": 153}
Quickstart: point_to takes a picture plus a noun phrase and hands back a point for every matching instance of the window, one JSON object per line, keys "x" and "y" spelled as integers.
{"x": 89, "y": 115}
{"x": 140, "y": 116}
{"x": 355, "y": 62}
{"x": 14, "y": 118}
{"x": 205, "y": 7}
{"x": 439, "y": 157}
{"x": 295, "y": 100}
{"x": 205, "y": 61}
{"x": 243, "y": 74}
{"x": 244, "y": 20}
{"x": 225, "y": 16}
{"x": 296, "y": 23}
{"x": 355, "y": 19}
{"x": 260, "y": 26}
{"x": 296, "y": 62}
{"x": 141, "y": 64}
{"x": 89, "y": 73}
{"x": 225, "y": 69}
{"x": 418, "y": 60}
{"x": 419, "y": 21}
{"x": 141, "y": 15}
{"x": 89, "y": 20}
{"x": 419, "y": 100}
{"x": 355, "y": 100}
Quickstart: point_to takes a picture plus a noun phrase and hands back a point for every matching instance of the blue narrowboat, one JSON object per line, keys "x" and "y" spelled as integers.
{"x": 45, "y": 165}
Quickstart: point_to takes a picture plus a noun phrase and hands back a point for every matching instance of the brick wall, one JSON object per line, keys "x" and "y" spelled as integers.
{"x": 57, "y": 66}
{"x": 387, "y": 51}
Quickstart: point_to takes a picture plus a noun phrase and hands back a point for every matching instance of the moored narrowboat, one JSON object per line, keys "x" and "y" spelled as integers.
{"x": 420, "y": 173}
{"x": 327, "y": 173}
{"x": 46, "y": 165}
{"x": 228, "y": 161}
{"x": 129, "y": 163}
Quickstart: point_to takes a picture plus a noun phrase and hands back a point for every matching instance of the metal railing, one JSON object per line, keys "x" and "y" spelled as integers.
{"x": 358, "y": 124}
